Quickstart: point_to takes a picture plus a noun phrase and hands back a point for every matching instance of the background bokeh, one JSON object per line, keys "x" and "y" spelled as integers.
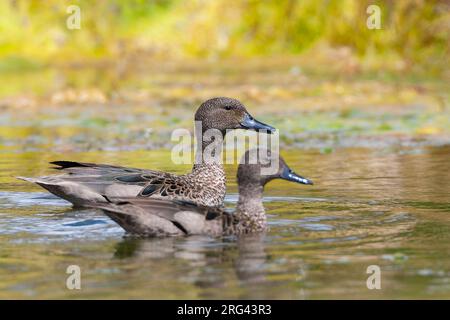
{"x": 139, "y": 68}
{"x": 414, "y": 33}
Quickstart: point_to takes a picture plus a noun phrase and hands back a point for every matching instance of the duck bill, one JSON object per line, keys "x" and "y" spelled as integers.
{"x": 250, "y": 123}
{"x": 290, "y": 175}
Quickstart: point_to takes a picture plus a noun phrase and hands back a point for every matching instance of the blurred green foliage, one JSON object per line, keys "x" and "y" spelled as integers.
{"x": 414, "y": 34}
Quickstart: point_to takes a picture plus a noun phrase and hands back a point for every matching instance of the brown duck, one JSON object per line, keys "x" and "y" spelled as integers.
{"x": 153, "y": 217}
{"x": 85, "y": 183}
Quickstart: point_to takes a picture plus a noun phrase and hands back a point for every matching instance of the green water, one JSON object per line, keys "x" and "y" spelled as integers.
{"x": 377, "y": 149}
{"x": 384, "y": 207}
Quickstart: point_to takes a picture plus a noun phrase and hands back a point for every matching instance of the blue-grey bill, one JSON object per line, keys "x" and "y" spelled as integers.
{"x": 252, "y": 124}
{"x": 292, "y": 176}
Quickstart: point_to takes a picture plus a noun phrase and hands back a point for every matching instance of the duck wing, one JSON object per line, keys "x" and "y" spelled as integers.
{"x": 82, "y": 183}
{"x": 157, "y": 217}
{"x": 118, "y": 182}
{"x": 118, "y": 173}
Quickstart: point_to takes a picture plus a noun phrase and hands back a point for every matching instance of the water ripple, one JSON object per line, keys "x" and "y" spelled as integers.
{"x": 26, "y": 199}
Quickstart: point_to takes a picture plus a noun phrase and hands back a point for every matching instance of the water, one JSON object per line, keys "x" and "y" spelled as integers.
{"x": 388, "y": 207}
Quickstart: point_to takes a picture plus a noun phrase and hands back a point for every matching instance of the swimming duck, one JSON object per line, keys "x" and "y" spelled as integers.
{"x": 83, "y": 183}
{"x": 154, "y": 217}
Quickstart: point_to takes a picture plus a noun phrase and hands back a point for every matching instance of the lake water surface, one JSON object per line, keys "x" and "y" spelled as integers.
{"x": 387, "y": 207}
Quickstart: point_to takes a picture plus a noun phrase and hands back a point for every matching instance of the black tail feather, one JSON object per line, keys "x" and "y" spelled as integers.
{"x": 119, "y": 203}
{"x": 67, "y": 164}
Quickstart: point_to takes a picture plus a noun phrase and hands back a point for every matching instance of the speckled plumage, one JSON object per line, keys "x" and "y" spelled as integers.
{"x": 85, "y": 183}
{"x": 152, "y": 217}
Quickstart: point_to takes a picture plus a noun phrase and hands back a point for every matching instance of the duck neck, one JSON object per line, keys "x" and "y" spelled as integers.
{"x": 250, "y": 210}
{"x": 208, "y": 148}
{"x": 208, "y": 173}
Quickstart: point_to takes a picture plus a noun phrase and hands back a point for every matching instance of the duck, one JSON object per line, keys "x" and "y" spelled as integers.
{"x": 83, "y": 183}
{"x": 163, "y": 218}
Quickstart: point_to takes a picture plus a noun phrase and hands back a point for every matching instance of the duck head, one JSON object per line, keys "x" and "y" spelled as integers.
{"x": 251, "y": 172}
{"x": 227, "y": 113}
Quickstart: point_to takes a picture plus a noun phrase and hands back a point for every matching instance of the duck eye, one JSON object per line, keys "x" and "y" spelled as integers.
{"x": 228, "y": 108}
